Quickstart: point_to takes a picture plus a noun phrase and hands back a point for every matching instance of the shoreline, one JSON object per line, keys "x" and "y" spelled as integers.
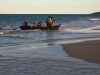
{"x": 86, "y": 50}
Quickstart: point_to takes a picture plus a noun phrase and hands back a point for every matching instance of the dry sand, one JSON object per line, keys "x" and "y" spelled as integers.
{"x": 88, "y": 50}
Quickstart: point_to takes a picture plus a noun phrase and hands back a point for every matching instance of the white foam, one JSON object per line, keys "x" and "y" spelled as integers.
{"x": 94, "y": 19}
{"x": 1, "y": 33}
{"x": 88, "y": 30}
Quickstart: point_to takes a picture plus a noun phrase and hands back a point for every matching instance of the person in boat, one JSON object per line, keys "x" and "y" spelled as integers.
{"x": 50, "y": 22}
{"x": 39, "y": 25}
{"x": 25, "y": 26}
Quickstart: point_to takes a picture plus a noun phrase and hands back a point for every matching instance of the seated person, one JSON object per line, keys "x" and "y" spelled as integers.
{"x": 39, "y": 25}
{"x": 25, "y": 26}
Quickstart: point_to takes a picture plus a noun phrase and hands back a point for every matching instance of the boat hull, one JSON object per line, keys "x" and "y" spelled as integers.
{"x": 55, "y": 27}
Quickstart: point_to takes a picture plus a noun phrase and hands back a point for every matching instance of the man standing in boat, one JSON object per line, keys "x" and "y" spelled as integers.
{"x": 50, "y": 22}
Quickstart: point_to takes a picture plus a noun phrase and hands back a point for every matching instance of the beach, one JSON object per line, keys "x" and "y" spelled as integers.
{"x": 51, "y": 60}
{"x": 88, "y": 50}
{"x": 66, "y": 51}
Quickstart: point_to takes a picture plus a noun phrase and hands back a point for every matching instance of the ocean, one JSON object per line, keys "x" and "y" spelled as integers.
{"x": 39, "y": 52}
{"x": 73, "y": 27}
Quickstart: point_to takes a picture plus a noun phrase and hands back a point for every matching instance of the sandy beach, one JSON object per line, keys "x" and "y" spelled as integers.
{"x": 88, "y": 50}
{"x": 50, "y": 60}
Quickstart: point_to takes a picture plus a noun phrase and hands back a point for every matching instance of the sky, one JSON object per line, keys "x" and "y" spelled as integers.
{"x": 49, "y": 6}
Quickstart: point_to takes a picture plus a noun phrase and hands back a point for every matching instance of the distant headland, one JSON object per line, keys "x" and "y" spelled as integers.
{"x": 98, "y": 13}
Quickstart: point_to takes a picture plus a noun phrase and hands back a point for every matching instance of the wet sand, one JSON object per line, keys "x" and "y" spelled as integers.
{"x": 88, "y": 50}
{"x": 97, "y": 29}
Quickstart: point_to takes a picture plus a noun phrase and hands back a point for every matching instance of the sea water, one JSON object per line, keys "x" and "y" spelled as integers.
{"x": 73, "y": 27}
{"x": 39, "y": 52}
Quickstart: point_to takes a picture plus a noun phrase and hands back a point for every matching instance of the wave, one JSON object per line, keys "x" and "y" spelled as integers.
{"x": 1, "y": 33}
{"x": 94, "y": 19}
